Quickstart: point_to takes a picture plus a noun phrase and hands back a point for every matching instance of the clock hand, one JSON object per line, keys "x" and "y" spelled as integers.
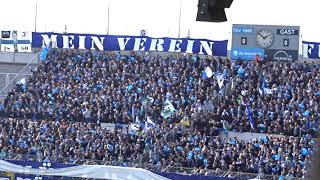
{"x": 266, "y": 37}
{"x": 261, "y": 35}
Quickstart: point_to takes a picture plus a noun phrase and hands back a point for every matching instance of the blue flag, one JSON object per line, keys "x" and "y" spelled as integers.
{"x": 250, "y": 117}
{"x": 43, "y": 54}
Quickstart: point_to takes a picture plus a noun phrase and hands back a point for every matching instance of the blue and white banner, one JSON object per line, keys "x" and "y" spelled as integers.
{"x": 81, "y": 171}
{"x": 246, "y": 53}
{"x": 129, "y": 43}
{"x": 311, "y": 49}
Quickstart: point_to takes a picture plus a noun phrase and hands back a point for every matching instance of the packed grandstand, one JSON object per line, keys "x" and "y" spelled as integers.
{"x": 184, "y": 114}
{"x": 91, "y": 100}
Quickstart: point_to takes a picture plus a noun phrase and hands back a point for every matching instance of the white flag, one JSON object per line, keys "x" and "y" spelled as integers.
{"x": 220, "y": 80}
{"x": 22, "y": 81}
{"x": 268, "y": 91}
{"x": 208, "y": 72}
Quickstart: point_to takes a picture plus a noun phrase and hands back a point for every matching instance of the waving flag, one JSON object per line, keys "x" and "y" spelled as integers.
{"x": 208, "y": 72}
{"x": 149, "y": 124}
{"x": 22, "y": 81}
{"x": 133, "y": 128}
{"x": 220, "y": 80}
{"x": 147, "y": 101}
{"x": 250, "y": 117}
{"x": 268, "y": 91}
{"x": 167, "y": 110}
{"x": 43, "y": 54}
{"x": 225, "y": 125}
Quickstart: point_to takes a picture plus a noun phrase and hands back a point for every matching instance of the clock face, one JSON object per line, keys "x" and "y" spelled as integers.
{"x": 264, "y": 38}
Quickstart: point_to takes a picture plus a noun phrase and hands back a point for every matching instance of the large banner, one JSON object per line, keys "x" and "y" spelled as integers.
{"x": 82, "y": 171}
{"x": 311, "y": 49}
{"x": 129, "y": 43}
{"x": 57, "y": 166}
{"x": 16, "y": 41}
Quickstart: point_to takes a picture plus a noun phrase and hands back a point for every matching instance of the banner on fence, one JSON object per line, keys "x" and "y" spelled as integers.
{"x": 129, "y": 43}
{"x": 83, "y": 171}
{"x": 311, "y": 49}
{"x": 16, "y": 41}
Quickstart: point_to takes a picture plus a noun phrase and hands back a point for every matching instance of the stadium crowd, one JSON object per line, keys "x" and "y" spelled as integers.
{"x": 69, "y": 142}
{"x": 283, "y": 156}
{"x": 71, "y": 93}
{"x": 281, "y": 98}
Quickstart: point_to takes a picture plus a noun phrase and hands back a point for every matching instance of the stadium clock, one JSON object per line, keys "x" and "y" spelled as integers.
{"x": 264, "y": 38}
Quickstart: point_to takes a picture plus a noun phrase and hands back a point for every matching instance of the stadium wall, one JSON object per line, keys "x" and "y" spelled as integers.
{"x": 17, "y": 58}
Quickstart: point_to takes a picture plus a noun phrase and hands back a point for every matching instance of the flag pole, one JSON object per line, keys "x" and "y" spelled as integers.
{"x": 36, "y": 17}
{"x": 180, "y": 18}
{"x": 108, "y": 25}
{"x": 302, "y": 51}
{"x": 179, "y": 28}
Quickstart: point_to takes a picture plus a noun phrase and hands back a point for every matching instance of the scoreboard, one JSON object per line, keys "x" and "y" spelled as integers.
{"x": 15, "y": 41}
{"x": 270, "y": 42}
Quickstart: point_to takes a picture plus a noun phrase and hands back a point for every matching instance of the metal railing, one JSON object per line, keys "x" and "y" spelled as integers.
{"x": 217, "y": 173}
{"x": 5, "y": 78}
{"x": 23, "y": 73}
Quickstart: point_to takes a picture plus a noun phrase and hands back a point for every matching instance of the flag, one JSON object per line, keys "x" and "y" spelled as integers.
{"x": 22, "y": 81}
{"x": 137, "y": 121}
{"x": 149, "y": 124}
{"x": 43, "y": 54}
{"x": 167, "y": 110}
{"x": 250, "y": 117}
{"x": 267, "y": 91}
{"x": 261, "y": 92}
{"x": 147, "y": 101}
{"x": 133, "y": 112}
{"x": 239, "y": 99}
{"x": 133, "y": 128}
{"x": 225, "y": 125}
{"x": 220, "y": 80}
{"x": 208, "y": 72}
{"x": 87, "y": 113}
{"x": 232, "y": 84}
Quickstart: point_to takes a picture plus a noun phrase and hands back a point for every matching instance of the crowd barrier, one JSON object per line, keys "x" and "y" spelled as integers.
{"x": 179, "y": 173}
